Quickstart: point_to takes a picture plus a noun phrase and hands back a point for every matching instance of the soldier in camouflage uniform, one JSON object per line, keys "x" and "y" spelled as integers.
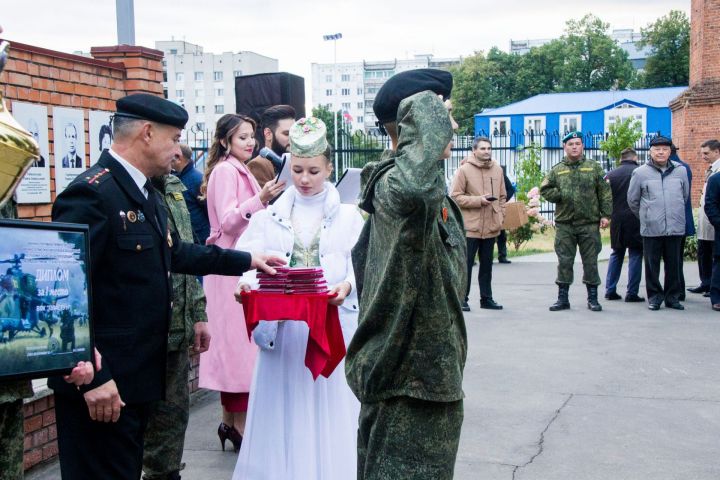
{"x": 405, "y": 362}
{"x": 583, "y": 202}
{"x": 165, "y": 434}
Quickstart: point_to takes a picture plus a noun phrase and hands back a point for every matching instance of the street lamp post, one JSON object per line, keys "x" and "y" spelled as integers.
{"x": 334, "y": 38}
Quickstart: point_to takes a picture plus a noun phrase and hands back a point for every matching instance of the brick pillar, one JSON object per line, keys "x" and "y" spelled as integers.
{"x": 143, "y": 66}
{"x": 696, "y": 112}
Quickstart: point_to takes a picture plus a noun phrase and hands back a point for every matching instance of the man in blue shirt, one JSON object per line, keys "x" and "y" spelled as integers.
{"x": 191, "y": 177}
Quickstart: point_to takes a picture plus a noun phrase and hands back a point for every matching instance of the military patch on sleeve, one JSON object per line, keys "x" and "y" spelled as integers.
{"x": 98, "y": 177}
{"x": 177, "y": 196}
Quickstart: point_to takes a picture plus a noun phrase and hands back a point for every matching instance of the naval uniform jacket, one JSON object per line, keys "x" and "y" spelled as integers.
{"x": 131, "y": 257}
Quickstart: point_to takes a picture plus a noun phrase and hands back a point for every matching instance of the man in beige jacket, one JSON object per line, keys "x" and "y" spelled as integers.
{"x": 479, "y": 190}
{"x": 705, "y": 232}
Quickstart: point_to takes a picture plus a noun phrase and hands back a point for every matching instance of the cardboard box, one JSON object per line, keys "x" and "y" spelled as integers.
{"x": 515, "y": 215}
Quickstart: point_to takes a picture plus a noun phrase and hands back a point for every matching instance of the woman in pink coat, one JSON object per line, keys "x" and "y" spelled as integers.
{"x": 233, "y": 196}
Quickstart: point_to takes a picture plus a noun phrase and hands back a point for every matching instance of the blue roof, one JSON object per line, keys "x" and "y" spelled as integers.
{"x": 585, "y": 101}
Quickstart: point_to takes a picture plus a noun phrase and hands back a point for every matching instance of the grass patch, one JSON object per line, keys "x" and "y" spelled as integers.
{"x": 545, "y": 242}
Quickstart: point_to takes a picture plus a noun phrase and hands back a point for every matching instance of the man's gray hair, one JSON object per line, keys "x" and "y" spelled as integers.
{"x": 124, "y": 126}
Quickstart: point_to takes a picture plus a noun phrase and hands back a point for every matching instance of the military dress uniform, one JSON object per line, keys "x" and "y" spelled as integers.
{"x": 165, "y": 434}
{"x": 405, "y": 362}
{"x": 132, "y": 253}
{"x": 581, "y": 197}
{"x": 11, "y": 408}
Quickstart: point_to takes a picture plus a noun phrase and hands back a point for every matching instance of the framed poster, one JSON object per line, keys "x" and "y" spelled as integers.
{"x": 45, "y": 317}
{"x": 100, "y": 134}
{"x": 35, "y": 186}
{"x": 69, "y": 145}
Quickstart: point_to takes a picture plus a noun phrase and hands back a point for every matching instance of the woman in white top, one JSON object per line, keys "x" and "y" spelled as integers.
{"x": 297, "y": 427}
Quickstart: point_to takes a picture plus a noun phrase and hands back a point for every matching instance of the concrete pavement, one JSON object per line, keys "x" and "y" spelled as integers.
{"x": 621, "y": 394}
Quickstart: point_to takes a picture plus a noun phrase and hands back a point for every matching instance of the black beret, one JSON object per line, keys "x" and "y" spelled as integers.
{"x": 661, "y": 141}
{"x": 404, "y": 84}
{"x": 145, "y": 106}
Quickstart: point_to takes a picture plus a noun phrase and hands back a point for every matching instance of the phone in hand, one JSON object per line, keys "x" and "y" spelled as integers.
{"x": 491, "y": 198}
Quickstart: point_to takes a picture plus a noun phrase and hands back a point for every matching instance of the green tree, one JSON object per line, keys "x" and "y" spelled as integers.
{"x": 669, "y": 63}
{"x": 593, "y": 60}
{"x": 622, "y": 134}
{"x": 324, "y": 114}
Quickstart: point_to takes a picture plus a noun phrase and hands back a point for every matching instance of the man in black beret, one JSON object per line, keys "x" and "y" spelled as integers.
{"x": 657, "y": 195}
{"x": 405, "y": 362}
{"x": 132, "y": 252}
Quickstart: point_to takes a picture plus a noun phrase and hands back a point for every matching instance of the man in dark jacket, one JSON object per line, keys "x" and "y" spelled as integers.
{"x": 191, "y": 177}
{"x": 100, "y": 425}
{"x": 624, "y": 232}
{"x": 712, "y": 210}
{"x": 689, "y": 218}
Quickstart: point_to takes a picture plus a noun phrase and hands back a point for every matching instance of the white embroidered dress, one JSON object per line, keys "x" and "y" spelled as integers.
{"x": 297, "y": 427}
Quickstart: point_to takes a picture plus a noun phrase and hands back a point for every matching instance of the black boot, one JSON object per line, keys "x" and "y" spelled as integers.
{"x": 563, "y": 303}
{"x": 592, "y": 301}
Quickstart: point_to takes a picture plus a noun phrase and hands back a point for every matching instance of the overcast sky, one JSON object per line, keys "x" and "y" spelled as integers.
{"x": 291, "y": 31}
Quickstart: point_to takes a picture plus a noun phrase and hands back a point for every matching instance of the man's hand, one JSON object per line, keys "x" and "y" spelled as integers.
{"x": 202, "y": 337}
{"x": 241, "y": 287}
{"x": 265, "y": 263}
{"x": 484, "y": 201}
{"x": 104, "y": 402}
{"x": 83, "y": 372}
{"x": 343, "y": 290}
{"x": 604, "y": 222}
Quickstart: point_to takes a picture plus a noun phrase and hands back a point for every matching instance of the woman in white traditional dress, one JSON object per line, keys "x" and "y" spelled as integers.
{"x": 297, "y": 427}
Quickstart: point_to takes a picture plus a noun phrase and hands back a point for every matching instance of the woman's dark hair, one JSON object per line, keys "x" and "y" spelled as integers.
{"x": 104, "y": 130}
{"x": 220, "y": 149}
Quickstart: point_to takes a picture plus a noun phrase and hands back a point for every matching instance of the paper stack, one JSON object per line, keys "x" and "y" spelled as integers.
{"x": 293, "y": 281}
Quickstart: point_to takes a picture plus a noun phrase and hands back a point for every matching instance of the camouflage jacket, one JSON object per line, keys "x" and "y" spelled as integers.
{"x": 188, "y": 296}
{"x": 579, "y": 191}
{"x": 410, "y": 268}
{"x": 14, "y": 389}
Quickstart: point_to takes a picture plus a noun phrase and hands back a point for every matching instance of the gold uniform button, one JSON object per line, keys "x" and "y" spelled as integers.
{"x": 138, "y": 247}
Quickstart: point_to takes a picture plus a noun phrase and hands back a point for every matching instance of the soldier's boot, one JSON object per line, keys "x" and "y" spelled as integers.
{"x": 592, "y": 299}
{"x": 563, "y": 303}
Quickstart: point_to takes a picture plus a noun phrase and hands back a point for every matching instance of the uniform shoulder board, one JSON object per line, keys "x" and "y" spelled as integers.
{"x": 95, "y": 176}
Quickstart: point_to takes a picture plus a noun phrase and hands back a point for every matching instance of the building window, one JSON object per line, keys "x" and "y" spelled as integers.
{"x": 345, "y": 77}
{"x": 218, "y": 76}
{"x": 173, "y": 51}
{"x": 328, "y": 78}
{"x": 164, "y": 76}
{"x": 328, "y": 106}
{"x": 179, "y": 93}
{"x": 219, "y": 92}
{"x": 360, "y": 119}
{"x": 359, "y": 91}
{"x": 199, "y": 108}
{"x": 199, "y": 76}
{"x": 360, "y": 104}
{"x": 372, "y": 90}
{"x": 345, "y": 91}
{"x": 499, "y": 130}
{"x": 200, "y": 126}
{"x": 180, "y": 77}
{"x": 328, "y": 93}
{"x": 219, "y": 108}
{"x": 165, "y": 93}
{"x": 237, "y": 73}
{"x": 346, "y": 106}
{"x": 570, "y": 123}
{"x": 199, "y": 93}
{"x": 534, "y": 130}
{"x": 625, "y": 111}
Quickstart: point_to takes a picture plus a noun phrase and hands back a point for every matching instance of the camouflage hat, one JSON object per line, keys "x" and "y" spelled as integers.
{"x": 570, "y": 135}
{"x": 308, "y": 137}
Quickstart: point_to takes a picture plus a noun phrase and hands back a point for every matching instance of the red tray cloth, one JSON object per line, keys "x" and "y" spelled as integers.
{"x": 326, "y": 346}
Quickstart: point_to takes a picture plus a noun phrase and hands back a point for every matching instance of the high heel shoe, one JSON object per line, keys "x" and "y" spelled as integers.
{"x": 226, "y": 432}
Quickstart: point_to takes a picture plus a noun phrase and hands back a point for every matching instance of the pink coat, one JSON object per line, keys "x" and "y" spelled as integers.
{"x": 232, "y": 198}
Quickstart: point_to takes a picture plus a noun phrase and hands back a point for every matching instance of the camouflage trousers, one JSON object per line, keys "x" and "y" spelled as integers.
{"x": 11, "y": 440}
{"x": 165, "y": 433}
{"x": 567, "y": 240}
{"x": 407, "y": 438}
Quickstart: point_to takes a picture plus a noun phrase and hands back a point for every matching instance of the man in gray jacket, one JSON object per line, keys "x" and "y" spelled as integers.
{"x": 657, "y": 195}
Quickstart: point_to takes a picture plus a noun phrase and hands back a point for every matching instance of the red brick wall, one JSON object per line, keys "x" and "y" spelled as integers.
{"x": 40, "y": 431}
{"x": 696, "y": 112}
{"x": 50, "y": 78}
